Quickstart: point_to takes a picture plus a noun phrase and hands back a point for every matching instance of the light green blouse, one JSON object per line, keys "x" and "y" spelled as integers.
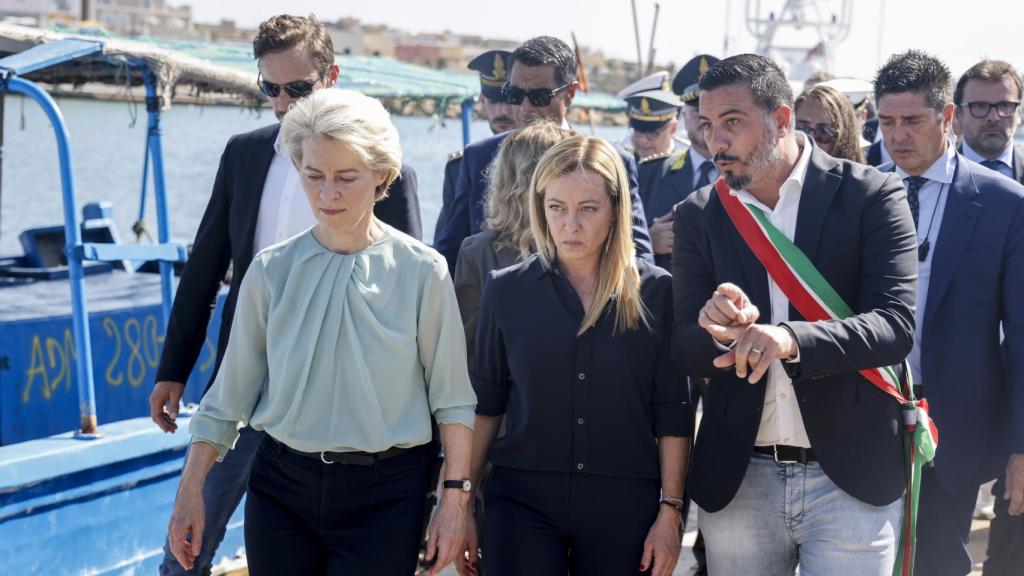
{"x": 341, "y": 352}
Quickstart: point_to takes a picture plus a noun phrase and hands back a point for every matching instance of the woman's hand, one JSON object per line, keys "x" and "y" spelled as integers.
{"x": 466, "y": 563}
{"x": 663, "y": 543}
{"x": 446, "y": 537}
{"x": 185, "y": 530}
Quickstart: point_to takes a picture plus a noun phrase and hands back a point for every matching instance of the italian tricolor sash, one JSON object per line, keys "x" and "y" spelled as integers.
{"x": 816, "y": 300}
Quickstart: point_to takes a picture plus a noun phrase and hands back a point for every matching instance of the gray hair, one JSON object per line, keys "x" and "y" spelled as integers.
{"x": 359, "y": 122}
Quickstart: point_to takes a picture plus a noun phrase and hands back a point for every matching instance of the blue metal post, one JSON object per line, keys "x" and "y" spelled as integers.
{"x": 159, "y": 192}
{"x": 467, "y": 117}
{"x": 72, "y": 235}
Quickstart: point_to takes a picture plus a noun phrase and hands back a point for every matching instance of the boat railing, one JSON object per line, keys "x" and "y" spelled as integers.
{"x": 13, "y": 70}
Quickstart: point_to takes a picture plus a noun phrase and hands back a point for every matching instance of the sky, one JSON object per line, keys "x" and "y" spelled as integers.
{"x": 957, "y": 31}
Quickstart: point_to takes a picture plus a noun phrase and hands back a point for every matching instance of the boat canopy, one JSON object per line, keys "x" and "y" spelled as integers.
{"x": 231, "y": 68}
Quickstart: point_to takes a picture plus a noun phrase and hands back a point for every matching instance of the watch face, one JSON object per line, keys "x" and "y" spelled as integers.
{"x": 467, "y": 486}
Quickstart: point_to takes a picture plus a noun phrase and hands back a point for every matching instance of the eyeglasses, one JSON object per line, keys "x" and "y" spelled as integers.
{"x": 295, "y": 89}
{"x": 539, "y": 97}
{"x": 822, "y": 133}
{"x": 981, "y": 109}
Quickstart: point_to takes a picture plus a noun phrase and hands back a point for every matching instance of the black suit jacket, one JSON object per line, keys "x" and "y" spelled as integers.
{"x": 226, "y": 234}
{"x": 855, "y": 226}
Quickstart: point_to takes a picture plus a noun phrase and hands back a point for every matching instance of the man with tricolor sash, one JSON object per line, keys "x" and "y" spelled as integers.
{"x": 970, "y": 252}
{"x": 794, "y": 282}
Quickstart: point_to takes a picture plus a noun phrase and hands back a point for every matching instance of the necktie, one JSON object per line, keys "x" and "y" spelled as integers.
{"x": 914, "y": 184}
{"x": 992, "y": 165}
{"x": 704, "y": 177}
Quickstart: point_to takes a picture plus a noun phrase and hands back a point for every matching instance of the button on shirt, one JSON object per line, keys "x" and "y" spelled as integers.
{"x": 1005, "y": 160}
{"x": 939, "y": 177}
{"x": 781, "y": 422}
{"x": 594, "y": 403}
{"x": 284, "y": 210}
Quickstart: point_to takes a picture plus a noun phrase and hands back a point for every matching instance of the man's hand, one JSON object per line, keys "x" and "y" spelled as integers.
{"x": 1015, "y": 484}
{"x": 727, "y": 308}
{"x": 756, "y": 347}
{"x": 163, "y": 404}
{"x": 661, "y": 234}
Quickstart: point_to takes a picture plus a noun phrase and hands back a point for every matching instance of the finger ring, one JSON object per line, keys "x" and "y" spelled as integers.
{"x": 755, "y": 350}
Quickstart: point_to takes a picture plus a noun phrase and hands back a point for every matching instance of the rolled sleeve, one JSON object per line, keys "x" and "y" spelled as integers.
{"x": 456, "y": 415}
{"x": 231, "y": 399}
{"x": 442, "y": 345}
{"x": 490, "y": 372}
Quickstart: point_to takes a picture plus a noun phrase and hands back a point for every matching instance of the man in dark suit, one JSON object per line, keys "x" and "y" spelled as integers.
{"x": 493, "y": 68}
{"x": 799, "y": 459}
{"x": 987, "y": 99}
{"x": 257, "y": 200}
{"x": 970, "y": 233}
{"x": 542, "y": 83}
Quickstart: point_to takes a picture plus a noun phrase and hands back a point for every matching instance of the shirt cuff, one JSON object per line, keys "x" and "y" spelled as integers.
{"x": 673, "y": 419}
{"x": 456, "y": 415}
{"x": 490, "y": 399}
{"x": 217, "y": 433}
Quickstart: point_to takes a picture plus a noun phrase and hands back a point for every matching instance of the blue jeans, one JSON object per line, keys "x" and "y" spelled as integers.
{"x": 789, "y": 514}
{"x": 225, "y": 485}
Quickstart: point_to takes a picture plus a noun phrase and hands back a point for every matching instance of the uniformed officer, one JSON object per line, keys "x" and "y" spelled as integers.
{"x": 653, "y": 112}
{"x": 493, "y": 67}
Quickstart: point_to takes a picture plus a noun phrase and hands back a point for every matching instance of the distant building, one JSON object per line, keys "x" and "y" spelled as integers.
{"x": 144, "y": 17}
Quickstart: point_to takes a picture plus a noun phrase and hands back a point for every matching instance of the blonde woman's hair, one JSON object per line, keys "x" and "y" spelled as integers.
{"x": 618, "y": 278}
{"x": 508, "y": 195}
{"x": 359, "y": 122}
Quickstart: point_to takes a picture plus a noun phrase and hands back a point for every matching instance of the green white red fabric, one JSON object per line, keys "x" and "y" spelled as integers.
{"x": 815, "y": 299}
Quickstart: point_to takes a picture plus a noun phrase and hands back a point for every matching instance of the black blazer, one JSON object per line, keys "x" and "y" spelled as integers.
{"x": 855, "y": 226}
{"x": 226, "y": 234}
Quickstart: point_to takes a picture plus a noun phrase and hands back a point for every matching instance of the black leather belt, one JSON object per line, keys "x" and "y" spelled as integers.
{"x": 787, "y": 454}
{"x": 347, "y": 458}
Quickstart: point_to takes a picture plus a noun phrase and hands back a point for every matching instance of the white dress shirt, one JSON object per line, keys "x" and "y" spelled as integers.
{"x": 932, "y": 199}
{"x": 698, "y": 160}
{"x": 1005, "y": 159}
{"x": 284, "y": 210}
{"x": 781, "y": 422}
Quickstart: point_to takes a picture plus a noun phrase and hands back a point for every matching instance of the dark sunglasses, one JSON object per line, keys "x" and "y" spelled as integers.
{"x": 295, "y": 89}
{"x": 539, "y": 97}
{"x": 821, "y": 133}
{"x": 981, "y": 109}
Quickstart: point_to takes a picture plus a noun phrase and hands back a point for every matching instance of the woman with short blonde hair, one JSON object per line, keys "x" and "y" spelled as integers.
{"x": 346, "y": 342}
{"x": 573, "y": 352}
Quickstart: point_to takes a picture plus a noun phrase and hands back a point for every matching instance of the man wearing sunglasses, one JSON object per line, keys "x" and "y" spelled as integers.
{"x": 542, "y": 84}
{"x": 256, "y": 201}
{"x": 987, "y": 99}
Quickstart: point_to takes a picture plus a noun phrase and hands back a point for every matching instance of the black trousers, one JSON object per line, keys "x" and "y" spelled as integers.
{"x": 553, "y": 523}
{"x": 1005, "y": 538}
{"x": 306, "y": 517}
{"x": 943, "y": 528}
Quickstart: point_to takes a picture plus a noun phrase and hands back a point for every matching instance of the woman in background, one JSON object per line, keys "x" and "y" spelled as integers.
{"x": 827, "y": 116}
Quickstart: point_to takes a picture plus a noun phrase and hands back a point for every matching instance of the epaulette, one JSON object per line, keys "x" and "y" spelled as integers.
{"x": 455, "y": 155}
{"x": 654, "y": 157}
{"x": 680, "y": 161}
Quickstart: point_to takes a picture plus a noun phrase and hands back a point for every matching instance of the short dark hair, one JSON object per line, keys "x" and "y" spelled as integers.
{"x": 762, "y": 75}
{"x": 543, "y": 50}
{"x": 284, "y": 32}
{"x": 916, "y": 71}
{"x": 987, "y": 71}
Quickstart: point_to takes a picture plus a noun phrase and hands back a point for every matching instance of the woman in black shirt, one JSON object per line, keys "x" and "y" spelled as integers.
{"x": 573, "y": 351}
